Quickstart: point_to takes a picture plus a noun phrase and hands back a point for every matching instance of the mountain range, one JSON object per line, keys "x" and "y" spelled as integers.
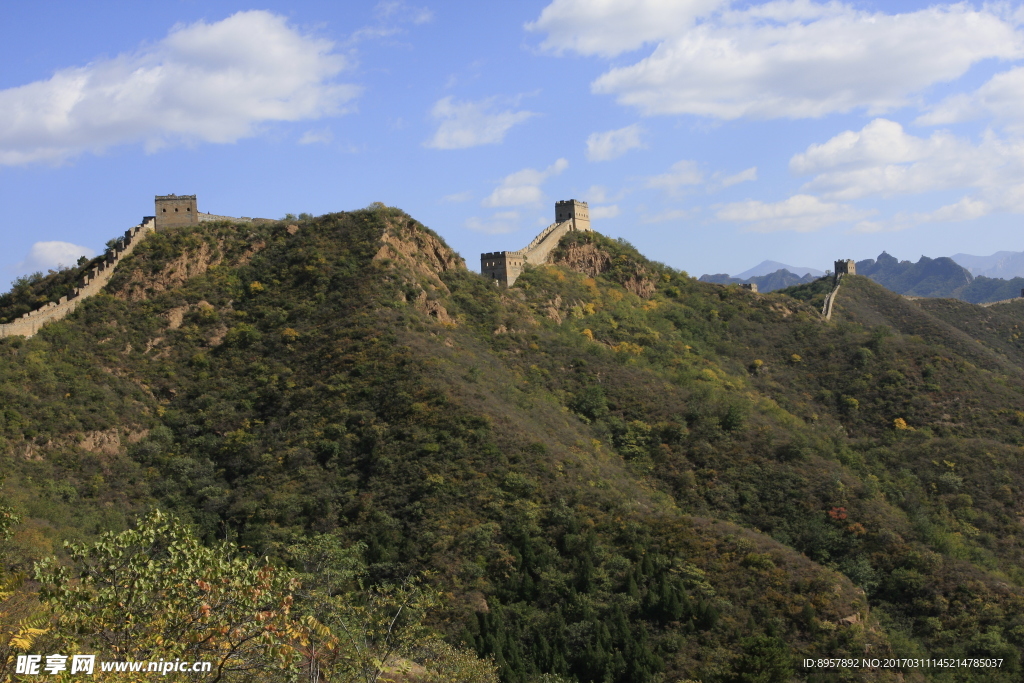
{"x": 608, "y": 472}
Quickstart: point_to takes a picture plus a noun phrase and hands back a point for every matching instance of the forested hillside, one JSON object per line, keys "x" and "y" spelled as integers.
{"x": 609, "y": 472}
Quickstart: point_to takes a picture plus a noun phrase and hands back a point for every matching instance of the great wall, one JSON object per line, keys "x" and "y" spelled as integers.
{"x": 506, "y": 266}
{"x": 91, "y": 283}
{"x": 171, "y": 211}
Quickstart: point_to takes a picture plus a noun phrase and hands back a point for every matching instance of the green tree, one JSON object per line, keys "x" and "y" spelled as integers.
{"x": 155, "y": 592}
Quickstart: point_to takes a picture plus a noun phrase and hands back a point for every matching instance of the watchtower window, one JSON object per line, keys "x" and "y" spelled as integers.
{"x": 175, "y": 210}
{"x": 188, "y": 208}
{"x": 164, "y": 210}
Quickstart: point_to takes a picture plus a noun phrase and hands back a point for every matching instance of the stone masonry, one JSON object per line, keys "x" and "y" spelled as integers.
{"x": 172, "y": 210}
{"x": 91, "y": 283}
{"x": 506, "y": 266}
{"x": 176, "y": 210}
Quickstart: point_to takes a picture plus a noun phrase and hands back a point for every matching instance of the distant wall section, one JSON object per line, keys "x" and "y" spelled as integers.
{"x": 176, "y": 210}
{"x": 91, "y": 283}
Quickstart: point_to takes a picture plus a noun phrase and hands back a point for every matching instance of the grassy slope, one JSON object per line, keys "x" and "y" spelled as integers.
{"x": 693, "y": 482}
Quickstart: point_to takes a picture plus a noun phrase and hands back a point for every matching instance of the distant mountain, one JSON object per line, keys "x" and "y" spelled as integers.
{"x": 940, "y": 277}
{"x": 769, "y": 267}
{"x": 1002, "y": 264}
{"x": 765, "y": 283}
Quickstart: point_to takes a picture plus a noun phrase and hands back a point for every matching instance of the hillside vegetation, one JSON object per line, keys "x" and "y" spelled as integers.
{"x": 609, "y": 472}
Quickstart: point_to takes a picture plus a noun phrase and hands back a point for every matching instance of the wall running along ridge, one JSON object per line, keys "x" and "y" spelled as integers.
{"x": 507, "y": 266}
{"x": 830, "y": 299}
{"x": 91, "y": 283}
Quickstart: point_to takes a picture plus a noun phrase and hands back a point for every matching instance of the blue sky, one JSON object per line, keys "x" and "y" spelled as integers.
{"x": 712, "y": 135}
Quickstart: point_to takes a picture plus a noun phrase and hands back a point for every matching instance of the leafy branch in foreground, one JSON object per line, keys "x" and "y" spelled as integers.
{"x": 156, "y": 592}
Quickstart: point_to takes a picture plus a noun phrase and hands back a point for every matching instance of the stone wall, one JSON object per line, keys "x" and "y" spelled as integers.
{"x": 507, "y": 266}
{"x": 92, "y": 282}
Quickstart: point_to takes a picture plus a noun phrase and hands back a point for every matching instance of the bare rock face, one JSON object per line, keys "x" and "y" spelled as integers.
{"x": 639, "y": 284}
{"x": 419, "y": 250}
{"x": 585, "y": 258}
{"x": 419, "y": 258}
{"x": 589, "y": 259}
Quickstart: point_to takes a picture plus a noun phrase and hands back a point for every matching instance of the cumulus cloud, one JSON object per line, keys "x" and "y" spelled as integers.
{"x": 682, "y": 174}
{"x": 498, "y": 224}
{"x": 800, "y": 213}
{"x": 783, "y": 59}
{"x": 523, "y": 187}
{"x": 882, "y": 159}
{"x": 469, "y": 124}
{"x": 44, "y": 256}
{"x": 613, "y": 143}
{"x": 1001, "y": 98}
{"x": 216, "y": 82}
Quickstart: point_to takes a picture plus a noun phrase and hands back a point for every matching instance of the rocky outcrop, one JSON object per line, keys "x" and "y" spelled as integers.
{"x": 585, "y": 258}
{"x": 419, "y": 250}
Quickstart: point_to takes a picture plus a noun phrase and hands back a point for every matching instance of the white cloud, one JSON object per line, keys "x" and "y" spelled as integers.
{"x": 322, "y": 136}
{"x": 800, "y": 213}
{"x": 469, "y": 124}
{"x": 883, "y": 160}
{"x": 610, "y": 27}
{"x": 204, "y": 82}
{"x": 44, "y": 256}
{"x": 523, "y": 187}
{"x": 599, "y": 212}
{"x": 682, "y": 174}
{"x": 1002, "y": 98}
{"x": 964, "y": 210}
{"x": 498, "y": 224}
{"x": 613, "y": 143}
{"x": 781, "y": 59}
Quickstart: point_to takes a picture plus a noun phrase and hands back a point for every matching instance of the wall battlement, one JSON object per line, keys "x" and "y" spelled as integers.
{"x": 175, "y": 210}
{"x": 172, "y": 210}
{"x": 506, "y": 266}
{"x": 91, "y": 283}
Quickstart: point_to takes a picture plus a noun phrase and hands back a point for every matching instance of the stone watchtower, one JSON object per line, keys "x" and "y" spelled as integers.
{"x": 173, "y": 210}
{"x": 845, "y": 267}
{"x": 572, "y": 210}
{"x": 505, "y": 266}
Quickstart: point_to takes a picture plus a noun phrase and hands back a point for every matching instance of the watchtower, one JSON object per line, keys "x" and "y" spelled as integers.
{"x": 503, "y": 266}
{"x": 845, "y": 267}
{"x": 173, "y": 210}
{"x": 572, "y": 210}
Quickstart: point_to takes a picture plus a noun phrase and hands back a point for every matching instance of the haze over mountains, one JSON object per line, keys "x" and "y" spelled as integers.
{"x": 1002, "y": 264}
{"x": 977, "y": 279}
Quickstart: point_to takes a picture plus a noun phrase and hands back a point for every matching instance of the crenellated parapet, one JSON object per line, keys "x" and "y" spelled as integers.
{"x": 506, "y": 266}
{"x": 93, "y": 280}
